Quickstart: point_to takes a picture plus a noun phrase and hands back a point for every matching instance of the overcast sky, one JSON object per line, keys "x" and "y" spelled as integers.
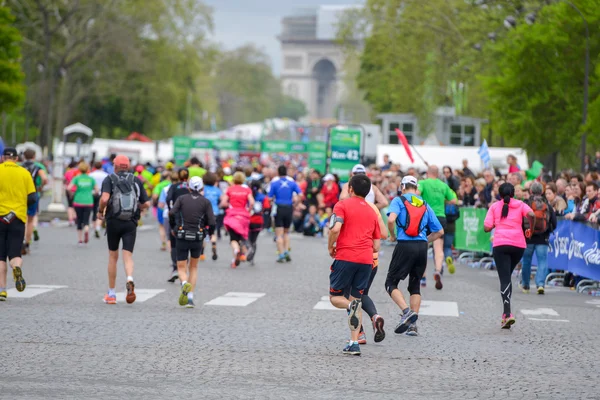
{"x": 238, "y": 22}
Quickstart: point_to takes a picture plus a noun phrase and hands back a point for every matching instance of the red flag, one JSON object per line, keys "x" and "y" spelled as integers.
{"x": 404, "y": 142}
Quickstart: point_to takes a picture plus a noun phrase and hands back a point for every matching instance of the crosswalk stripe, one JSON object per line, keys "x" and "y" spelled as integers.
{"x": 235, "y": 299}
{"x": 32, "y": 291}
{"x": 141, "y": 295}
{"x": 439, "y": 308}
{"x": 325, "y": 304}
{"x": 540, "y": 311}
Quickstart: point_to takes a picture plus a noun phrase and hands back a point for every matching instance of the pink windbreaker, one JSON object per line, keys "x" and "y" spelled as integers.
{"x": 509, "y": 231}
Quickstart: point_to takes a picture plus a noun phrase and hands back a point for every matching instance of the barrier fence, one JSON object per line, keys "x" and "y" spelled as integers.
{"x": 573, "y": 245}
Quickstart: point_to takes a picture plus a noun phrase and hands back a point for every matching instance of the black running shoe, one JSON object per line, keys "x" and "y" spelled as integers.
{"x": 36, "y": 235}
{"x": 412, "y": 330}
{"x": 174, "y": 276}
{"x": 214, "y": 252}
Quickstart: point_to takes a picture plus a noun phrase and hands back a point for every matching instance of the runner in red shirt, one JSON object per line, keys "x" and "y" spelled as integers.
{"x": 239, "y": 201}
{"x": 353, "y": 238}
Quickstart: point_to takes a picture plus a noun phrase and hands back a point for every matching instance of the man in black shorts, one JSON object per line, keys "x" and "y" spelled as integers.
{"x": 194, "y": 220}
{"x": 413, "y": 218}
{"x": 123, "y": 198}
{"x": 284, "y": 189}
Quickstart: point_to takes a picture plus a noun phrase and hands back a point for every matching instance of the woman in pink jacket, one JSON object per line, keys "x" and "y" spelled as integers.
{"x": 506, "y": 217}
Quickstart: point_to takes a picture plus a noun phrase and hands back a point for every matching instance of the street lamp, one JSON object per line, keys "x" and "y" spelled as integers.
{"x": 510, "y": 22}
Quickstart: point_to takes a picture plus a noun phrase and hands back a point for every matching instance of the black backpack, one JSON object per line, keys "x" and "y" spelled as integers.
{"x": 33, "y": 169}
{"x": 125, "y": 197}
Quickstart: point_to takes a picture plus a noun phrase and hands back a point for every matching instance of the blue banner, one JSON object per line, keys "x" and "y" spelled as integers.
{"x": 574, "y": 248}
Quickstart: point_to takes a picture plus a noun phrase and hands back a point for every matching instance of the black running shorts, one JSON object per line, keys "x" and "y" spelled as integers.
{"x": 188, "y": 248}
{"x": 348, "y": 275}
{"x": 409, "y": 258}
{"x": 117, "y": 231}
{"x": 11, "y": 239}
{"x": 284, "y": 217}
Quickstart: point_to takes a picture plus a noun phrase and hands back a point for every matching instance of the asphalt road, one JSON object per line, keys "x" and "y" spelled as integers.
{"x": 63, "y": 342}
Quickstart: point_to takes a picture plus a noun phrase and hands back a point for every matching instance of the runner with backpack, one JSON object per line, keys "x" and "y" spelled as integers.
{"x": 40, "y": 179}
{"x": 123, "y": 198}
{"x": 545, "y": 224}
{"x": 413, "y": 218}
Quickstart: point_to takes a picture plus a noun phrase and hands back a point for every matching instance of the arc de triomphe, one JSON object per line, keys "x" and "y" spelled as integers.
{"x": 312, "y": 61}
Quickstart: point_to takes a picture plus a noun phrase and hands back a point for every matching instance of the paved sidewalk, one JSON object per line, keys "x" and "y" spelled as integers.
{"x": 63, "y": 342}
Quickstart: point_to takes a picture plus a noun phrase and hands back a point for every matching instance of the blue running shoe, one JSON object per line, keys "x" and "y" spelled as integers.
{"x": 405, "y": 321}
{"x": 423, "y": 282}
{"x": 352, "y": 349}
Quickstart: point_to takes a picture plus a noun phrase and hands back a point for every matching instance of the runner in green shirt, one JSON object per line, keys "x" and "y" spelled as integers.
{"x": 195, "y": 168}
{"x": 436, "y": 194}
{"x": 83, "y": 200}
{"x": 159, "y": 211}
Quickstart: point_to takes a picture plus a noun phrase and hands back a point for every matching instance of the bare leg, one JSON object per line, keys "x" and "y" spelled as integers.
{"x": 235, "y": 246}
{"x": 193, "y": 272}
{"x": 399, "y": 299}
{"x": 280, "y": 240}
{"x": 343, "y": 303}
{"x": 3, "y": 274}
{"x": 286, "y": 238}
{"x": 128, "y": 261}
{"x": 113, "y": 257}
{"x": 415, "y": 302}
{"x": 182, "y": 270}
{"x": 438, "y": 254}
{"x": 29, "y": 229}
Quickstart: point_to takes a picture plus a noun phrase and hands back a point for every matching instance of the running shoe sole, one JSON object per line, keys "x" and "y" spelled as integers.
{"x": 508, "y": 323}
{"x": 237, "y": 260}
{"x": 130, "y": 286}
{"x": 185, "y": 289}
{"x": 188, "y": 305}
{"x": 110, "y": 300}
{"x": 379, "y": 332}
{"x": 351, "y": 353}
{"x": 214, "y": 253}
{"x": 438, "y": 281}
{"x": 353, "y": 320}
{"x": 450, "y": 263}
{"x": 3, "y": 296}
{"x": 18, "y": 277}
{"x": 403, "y": 326}
{"x": 540, "y": 290}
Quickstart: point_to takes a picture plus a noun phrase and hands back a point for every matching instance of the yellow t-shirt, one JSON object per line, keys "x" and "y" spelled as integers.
{"x": 16, "y": 184}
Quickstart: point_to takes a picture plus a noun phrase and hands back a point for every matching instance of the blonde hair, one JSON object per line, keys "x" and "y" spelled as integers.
{"x": 83, "y": 167}
{"x": 239, "y": 178}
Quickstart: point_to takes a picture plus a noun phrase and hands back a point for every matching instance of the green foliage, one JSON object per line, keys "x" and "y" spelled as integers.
{"x": 12, "y": 91}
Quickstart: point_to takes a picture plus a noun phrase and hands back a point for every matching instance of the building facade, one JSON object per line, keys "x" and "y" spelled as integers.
{"x": 449, "y": 129}
{"x": 312, "y": 61}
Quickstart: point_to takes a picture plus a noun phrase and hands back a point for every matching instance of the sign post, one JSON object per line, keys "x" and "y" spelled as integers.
{"x": 345, "y": 149}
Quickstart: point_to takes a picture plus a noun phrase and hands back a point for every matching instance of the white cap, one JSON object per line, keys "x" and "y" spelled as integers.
{"x": 227, "y": 171}
{"x": 359, "y": 169}
{"x": 409, "y": 179}
{"x": 196, "y": 183}
{"x": 328, "y": 178}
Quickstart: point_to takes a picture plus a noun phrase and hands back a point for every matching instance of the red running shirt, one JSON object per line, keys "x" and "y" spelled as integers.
{"x": 360, "y": 228}
{"x": 238, "y": 196}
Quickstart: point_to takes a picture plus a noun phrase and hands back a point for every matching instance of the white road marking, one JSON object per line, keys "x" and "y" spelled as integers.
{"x": 32, "y": 291}
{"x": 540, "y": 311}
{"x": 141, "y": 295}
{"x": 548, "y": 319}
{"x": 325, "y": 304}
{"x": 235, "y": 299}
{"x": 593, "y": 302}
{"x": 439, "y": 308}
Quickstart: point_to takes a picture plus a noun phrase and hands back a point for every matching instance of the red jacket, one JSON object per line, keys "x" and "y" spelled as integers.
{"x": 330, "y": 195}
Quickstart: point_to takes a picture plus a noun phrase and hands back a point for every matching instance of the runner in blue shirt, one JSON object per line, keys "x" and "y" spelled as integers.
{"x": 213, "y": 194}
{"x": 417, "y": 225}
{"x": 284, "y": 190}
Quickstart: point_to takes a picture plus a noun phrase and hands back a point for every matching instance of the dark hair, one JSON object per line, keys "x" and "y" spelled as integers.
{"x": 29, "y": 154}
{"x": 98, "y": 165}
{"x": 446, "y": 166}
{"x": 195, "y": 161}
{"x": 183, "y": 174}
{"x": 209, "y": 179}
{"x": 360, "y": 184}
{"x": 248, "y": 172}
{"x": 255, "y": 186}
{"x": 282, "y": 170}
{"x": 506, "y": 191}
{"x": 592, "y": 184}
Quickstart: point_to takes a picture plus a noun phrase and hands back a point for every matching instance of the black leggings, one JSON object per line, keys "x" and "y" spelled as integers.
{"x": 219, "y": 219}
{"x": 83, "y": 216}
{"x": 506, "y": 258}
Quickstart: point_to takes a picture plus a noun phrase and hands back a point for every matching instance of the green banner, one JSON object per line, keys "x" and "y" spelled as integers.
{"x": 345, "y": 151}
{"x": 282, "y": 146}
{"x": 469, "y": 231}
{"x": 317, "y": 156}
{"x": 181, "y": 149}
